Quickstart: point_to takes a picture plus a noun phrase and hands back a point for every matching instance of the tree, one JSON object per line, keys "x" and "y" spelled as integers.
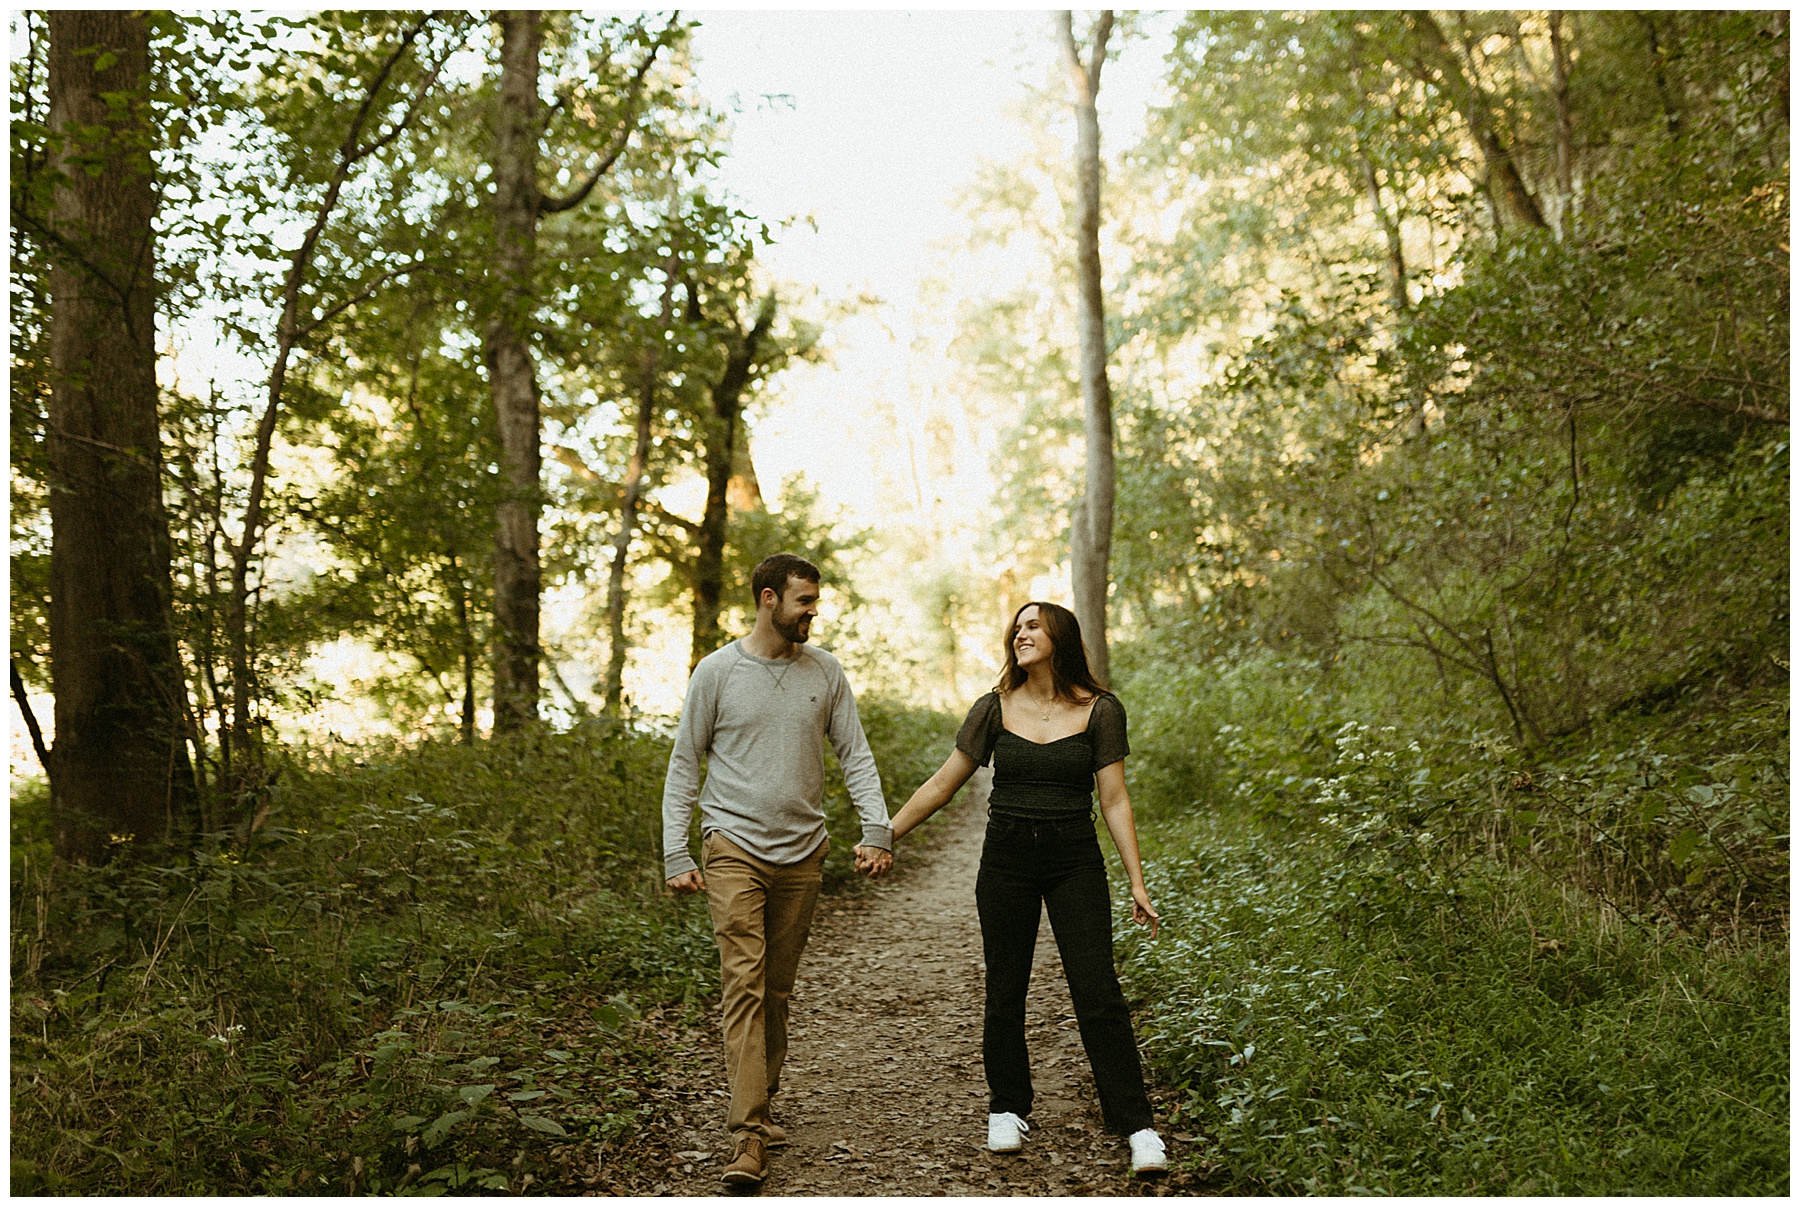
{"x": 119, "y": 768}
{"x": 518, "y": 205}
{"x": 381, "y": 93}
{"x": 1090, "y": 537}
{"x": 1541, "y": 488}
{"x": 408, "y": 508}
{"x": 745, "y": 354}
{"x": 1435, "y": 62}
{"x": 679, "y": 355}
{"x": 636, "y": 474}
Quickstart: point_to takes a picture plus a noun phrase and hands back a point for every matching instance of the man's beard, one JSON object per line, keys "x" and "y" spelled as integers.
{"x": 794, "y": 630}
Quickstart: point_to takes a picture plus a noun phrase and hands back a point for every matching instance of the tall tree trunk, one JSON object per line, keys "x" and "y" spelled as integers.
{"x": 1565, "y": 131}
{"x": 512, "y": 374}
{"x": 628, "y": 505}
{"x": 120, "y": 764}
{"x": 742, "y": 350}
{"x": 1439, "y": 65}
{"x": 1090, "y": 542}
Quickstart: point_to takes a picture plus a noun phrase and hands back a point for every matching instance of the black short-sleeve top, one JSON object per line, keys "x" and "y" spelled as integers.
{"x": 1044, "y": 781}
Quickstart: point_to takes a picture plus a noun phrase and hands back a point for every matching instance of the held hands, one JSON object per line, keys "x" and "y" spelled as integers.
{"x": 873, "y": 861}
{"x": 690, "y": 881}
{"x": 1142, "y": 912}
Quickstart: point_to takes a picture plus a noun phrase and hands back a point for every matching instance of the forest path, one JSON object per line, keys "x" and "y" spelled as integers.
{"x": 884, "y": 1092}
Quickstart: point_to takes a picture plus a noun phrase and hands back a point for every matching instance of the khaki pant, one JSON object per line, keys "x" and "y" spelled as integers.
{"x": 761, "y": 913}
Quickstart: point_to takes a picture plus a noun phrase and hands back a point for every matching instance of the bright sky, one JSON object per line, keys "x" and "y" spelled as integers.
{"x": 873, "y": 121}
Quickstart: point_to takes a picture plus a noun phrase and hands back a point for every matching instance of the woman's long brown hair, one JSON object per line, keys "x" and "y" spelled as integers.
{"x": 1068, "y": 657}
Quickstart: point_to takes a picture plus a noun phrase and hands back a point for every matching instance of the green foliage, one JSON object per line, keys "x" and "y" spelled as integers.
{"x": 1331, "y": 1031}
{"x": 1406, "y": 962}
{"x": 445, "y": 957}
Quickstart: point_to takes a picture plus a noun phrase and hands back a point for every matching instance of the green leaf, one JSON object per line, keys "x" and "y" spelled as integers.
{"x": 524, "y": 1095}
{"x": 472, "y": 1094}
{"x": 1682, "y": 849}
{"x": 441, "y": 1127}
{"x": 538, "y": 1123}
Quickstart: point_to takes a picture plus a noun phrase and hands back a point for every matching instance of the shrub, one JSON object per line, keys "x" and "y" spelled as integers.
{"x": 433, "y": 968}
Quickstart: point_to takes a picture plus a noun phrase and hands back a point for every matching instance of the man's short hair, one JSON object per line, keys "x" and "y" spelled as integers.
{"x": 773, "y": 572}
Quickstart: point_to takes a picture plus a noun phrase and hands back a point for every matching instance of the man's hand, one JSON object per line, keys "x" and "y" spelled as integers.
{"x": 689, "y": 881}
{"x": 873, "y": 861}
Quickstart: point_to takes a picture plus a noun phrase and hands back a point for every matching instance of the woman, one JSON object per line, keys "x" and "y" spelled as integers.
{"x": 1053, "y": 732}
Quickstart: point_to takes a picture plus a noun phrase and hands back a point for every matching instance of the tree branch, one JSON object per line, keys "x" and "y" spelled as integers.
{"x": 1749, "y": 411}
{"x": 31, "y": 721}
{"x": 418, "y": 100}
{"x": 368, "y": 292}
{"x": 656, "y": 509}
{"x": 627, "y": 123}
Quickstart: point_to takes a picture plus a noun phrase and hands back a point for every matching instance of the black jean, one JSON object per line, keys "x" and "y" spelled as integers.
{"x": 1058, "y": 864}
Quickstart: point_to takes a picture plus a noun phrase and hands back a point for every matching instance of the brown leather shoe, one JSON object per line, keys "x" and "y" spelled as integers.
{"x": 747, "y": 1167}
{"x": 778, "y": 1137}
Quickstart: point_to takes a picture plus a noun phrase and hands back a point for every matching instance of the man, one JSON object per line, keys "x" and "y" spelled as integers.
{"x": 758, "y": 711}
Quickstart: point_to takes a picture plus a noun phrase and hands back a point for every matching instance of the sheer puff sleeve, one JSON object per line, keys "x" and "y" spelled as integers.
{"x": 1106, "y": 730}
{"x": 981, "y": 729}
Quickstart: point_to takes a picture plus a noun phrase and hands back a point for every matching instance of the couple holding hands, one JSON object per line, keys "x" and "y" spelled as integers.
{"x": 758, "y": 712}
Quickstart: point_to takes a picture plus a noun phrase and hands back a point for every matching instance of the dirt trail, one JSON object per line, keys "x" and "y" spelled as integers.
{"x": 884, "y": 1091}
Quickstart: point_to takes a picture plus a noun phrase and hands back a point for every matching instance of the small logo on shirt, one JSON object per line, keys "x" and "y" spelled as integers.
{"x": 812, "y": 699}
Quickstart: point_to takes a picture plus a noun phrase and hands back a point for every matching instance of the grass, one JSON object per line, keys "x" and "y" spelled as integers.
{"x": 434, "y": 969}
{"x": 1374, "y": 986}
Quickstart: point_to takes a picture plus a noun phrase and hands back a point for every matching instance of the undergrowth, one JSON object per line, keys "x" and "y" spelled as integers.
{"x": 432, "y": 969}
{"x": 1404, "y": 966}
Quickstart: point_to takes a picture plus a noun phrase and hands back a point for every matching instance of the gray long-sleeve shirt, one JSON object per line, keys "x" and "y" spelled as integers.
{"x": 760, "y": 723}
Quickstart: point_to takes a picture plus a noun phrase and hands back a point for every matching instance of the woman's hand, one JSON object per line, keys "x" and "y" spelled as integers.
{"x": 1142, "y": 912}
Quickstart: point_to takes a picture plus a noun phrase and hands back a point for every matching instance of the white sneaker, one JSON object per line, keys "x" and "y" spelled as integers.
{"x": 1148, "y": 1157}
{"x": 1006, "y": 1132}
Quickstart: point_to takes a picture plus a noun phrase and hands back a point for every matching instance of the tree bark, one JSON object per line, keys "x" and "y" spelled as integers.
{"x": 1565, "y": 131}
{"x": 512, "y": 374}
{"x": 741, "y": 352}
{"x": 120, "y": 764}
{"x": 1440, "y": 66}
{"x": 1090, "y": 542}
{"x": 628, "y": 504}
